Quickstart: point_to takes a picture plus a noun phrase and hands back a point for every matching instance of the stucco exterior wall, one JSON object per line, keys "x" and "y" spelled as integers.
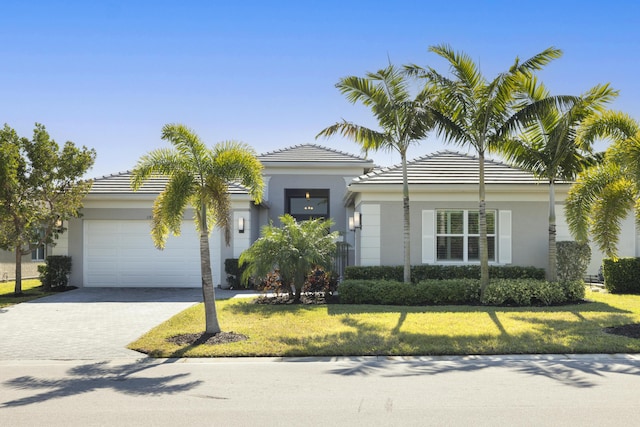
{"x": 335, "y": 184}
{"x": 8, "y": 266}
{"x": 529, "y": 230}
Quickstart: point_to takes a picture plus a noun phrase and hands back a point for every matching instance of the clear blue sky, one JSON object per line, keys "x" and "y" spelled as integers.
{"x": 110, "y": 74}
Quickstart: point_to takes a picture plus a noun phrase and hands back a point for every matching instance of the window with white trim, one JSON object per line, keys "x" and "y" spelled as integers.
{"x": 39, "y": 253}
{"x": 458, "y": 235}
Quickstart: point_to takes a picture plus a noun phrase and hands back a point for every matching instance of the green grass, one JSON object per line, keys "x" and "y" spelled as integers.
{"x": 349, "y": 330}
{"x": 31, "y": 289}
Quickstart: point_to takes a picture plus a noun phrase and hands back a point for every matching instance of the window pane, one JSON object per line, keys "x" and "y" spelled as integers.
{"x": 491, "y": 241}
{"x": 474, "y": 222}
{"x": 473, "y": 250}
{"x": 311, "y": 206}
{"x": 450, "y": 248}
{"x": 450, "y": 222}
{"x": 38, "y": 254}
{"x": 491, "y": 222}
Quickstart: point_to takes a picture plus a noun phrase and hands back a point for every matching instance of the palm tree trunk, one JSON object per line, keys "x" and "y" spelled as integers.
{"x": 17, "y": 290}
{"x": 212, "y": 326}
{"x": 552, "y": 273}
{"x": 482, "y": 224}
{"x": 407, "y": 222}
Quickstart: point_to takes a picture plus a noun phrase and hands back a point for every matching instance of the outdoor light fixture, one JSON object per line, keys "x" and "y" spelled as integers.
{"x": 355, "y": 221}
{"x": 241, "y": 225}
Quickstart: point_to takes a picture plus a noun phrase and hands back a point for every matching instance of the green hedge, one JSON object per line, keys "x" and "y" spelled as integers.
{"x": 54, "y": 275}
{"x": 526, "y": 292}
{"x": 621, "y": 276}
{"x": 421, "y": 273}
{"x": 573, "y": 259}
{"x": 519, "y": 292}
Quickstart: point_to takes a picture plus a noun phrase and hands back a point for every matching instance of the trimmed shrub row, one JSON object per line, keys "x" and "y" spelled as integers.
{"x": 421, "y": 273}
{"x": 519, "y": 292}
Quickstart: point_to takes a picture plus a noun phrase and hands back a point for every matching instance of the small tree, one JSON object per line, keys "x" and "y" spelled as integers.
{"x": 41, "y": 186}
{"x": 294, "y": 249}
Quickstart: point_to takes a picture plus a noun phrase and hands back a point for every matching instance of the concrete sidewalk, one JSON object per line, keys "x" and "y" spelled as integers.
{"x": 91, "y": 323}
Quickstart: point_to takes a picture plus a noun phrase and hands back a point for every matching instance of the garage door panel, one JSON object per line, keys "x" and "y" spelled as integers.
{"x": 121, "y": 253}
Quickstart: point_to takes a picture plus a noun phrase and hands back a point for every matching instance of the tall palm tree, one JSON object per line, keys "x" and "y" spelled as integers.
{"x": 198, "y": 177}
{"x": 403, "y": 122}
{"x": 604, "y": 194}
{"x": 548, "y": 146}
{"x": 475, "y": 112}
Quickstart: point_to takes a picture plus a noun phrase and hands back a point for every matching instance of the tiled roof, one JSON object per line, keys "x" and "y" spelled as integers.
{"x": 448, "y": 167}
{"x": 120, "y": 183}
{"x": 312, "y": 153}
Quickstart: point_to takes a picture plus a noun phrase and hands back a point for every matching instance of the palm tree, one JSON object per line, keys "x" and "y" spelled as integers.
{"x": 548, "y": 146}
{"x": 198, "y": 177}
{"x": 604, "y": 194}
{"x": 403, "y": 122}
{"x": 294, "y": 249}
{"x": 474, "y": 112}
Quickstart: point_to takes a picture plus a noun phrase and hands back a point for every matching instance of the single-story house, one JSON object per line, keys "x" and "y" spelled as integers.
{"x": 110, "y": 244}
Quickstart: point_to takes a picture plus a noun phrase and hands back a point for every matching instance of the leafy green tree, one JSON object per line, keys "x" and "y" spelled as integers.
{"x": 548, "y": 145}
{"x": 603, "y": 194}
{"x": 41, "y": 186}
{"x": 294, "y": 249}
{"x": 198, "y": 177}
{"x": 403, "y": 121}
{"x": 474, "y": 112}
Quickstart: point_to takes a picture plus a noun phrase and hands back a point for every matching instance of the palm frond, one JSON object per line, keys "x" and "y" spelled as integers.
{"x": 369, "y": 139}
{"x": 161, "y": 162}
{"x": 610, "y": 208}
{"x": 237, "y": 161}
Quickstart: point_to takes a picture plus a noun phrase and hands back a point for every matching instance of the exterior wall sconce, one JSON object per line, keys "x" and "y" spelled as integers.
{"x": 241, "y": 225}
{"x": 355, "y": 221}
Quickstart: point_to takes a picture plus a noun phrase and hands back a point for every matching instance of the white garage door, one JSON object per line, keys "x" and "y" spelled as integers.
{"x": 121, "y": 253}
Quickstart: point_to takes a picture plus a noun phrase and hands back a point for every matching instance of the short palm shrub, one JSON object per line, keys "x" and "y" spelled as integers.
{"x": 294, "y": 250}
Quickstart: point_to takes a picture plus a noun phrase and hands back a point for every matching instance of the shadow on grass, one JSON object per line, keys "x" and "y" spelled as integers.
{"x": 552, "y": 336}
{"x": 266, "y": 310}
{"x": 585, "y": 307}
{"x": 99, "y": 376}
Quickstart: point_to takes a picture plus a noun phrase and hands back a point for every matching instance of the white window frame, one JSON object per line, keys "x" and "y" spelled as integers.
{"x": 465, "y": 236}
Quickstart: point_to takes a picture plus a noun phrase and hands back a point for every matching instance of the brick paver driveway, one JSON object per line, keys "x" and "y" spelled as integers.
{"x": 87, "y": 323}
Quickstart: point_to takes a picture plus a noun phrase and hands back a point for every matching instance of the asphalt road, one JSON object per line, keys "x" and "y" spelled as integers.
{"x": 597, "y": 390}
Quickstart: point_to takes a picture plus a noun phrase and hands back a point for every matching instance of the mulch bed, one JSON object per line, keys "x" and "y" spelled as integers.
{"x": 629, "y": 331}
{"x": 204, "y": 338}
{"x": 309, "y": 299}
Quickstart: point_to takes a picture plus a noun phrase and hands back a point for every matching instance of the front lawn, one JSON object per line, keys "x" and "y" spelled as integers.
{"x": 31, "y": 289}
{"x": 348, "y": 330}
